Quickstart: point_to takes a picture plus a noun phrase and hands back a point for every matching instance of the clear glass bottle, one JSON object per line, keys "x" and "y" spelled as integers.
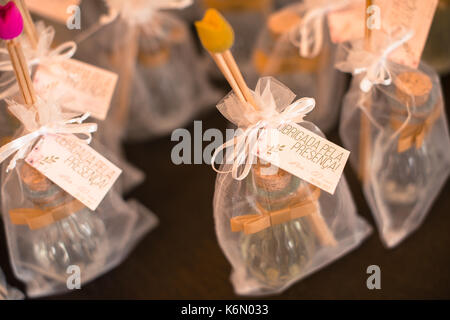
{"x": 405, "y": 159}
{"x": 78, "y": 238}
{"x": 279, "y": 253}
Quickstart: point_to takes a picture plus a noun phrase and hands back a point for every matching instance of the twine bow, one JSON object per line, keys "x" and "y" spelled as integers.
{"x": 269, "y": 95}
{"x": 40, "y": 120}
{"x": 42, "y": 55}
{"x": 309, "y": 34}
{"x": 253, "y": 223}
{"x": 374, "y": 66}
{"x": 414, "y": 135}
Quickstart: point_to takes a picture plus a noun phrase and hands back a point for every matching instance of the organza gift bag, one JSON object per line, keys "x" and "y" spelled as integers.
{"x": 276, "y": 228}
{"x": 155, "y": 57}
{"x": 295, "y": 46}
{"x": 394, "y": 122}
{"x": 175, "y": 80}
{"x": 50, "y": 233}
{"x": 7, "y": 292}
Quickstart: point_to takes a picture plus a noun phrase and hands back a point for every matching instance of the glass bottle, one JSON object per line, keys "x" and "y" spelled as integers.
{"x": 280, "y": 253}
{"x": 77, "y": 238}
{"x": 404, "y": 162}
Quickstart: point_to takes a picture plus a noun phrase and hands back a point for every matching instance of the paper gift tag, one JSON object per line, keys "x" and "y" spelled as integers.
{"x": 75, "y": 167}
{"x": 417, "y": 15}
{"x": 304, "y": 154}
{"x": 84, "y": 87}
{"x": 56, "y": 10}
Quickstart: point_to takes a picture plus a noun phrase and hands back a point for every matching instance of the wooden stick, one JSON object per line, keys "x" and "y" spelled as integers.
{"x": 28, "y": 25}
{"x": 320, "y": 227}
{"x": 232, "y": 65}
{"x": 21, "y": 70}
{"x": 220, "y": 62}
{"x": 124, "y": 60}
{"x": 365, "y": 132}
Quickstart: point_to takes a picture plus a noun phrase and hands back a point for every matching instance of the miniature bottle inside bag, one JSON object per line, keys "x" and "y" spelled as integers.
{"x": 48, "y": 231}
{"x": 276, "y": 228}
{"x": 167, "y": 61}
{"x": 401, "y": 147}
{"x": 273, "y": 227}
{"x": 155, "y": 59}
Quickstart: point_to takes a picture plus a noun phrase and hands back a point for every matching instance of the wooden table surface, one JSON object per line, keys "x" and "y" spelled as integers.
{"x": 181, "y": 259}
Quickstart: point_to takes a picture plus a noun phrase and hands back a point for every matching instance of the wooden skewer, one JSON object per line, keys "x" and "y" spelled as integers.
{"x": 365, "y": 133}
{"x": 20, "y": 67}
{"x": 124, "y": 60}
{"x": 223, "y": 66}
{"x": 320, "y": 227}
{"x": 232, "y": 65}
{"x": 28, "y": 25}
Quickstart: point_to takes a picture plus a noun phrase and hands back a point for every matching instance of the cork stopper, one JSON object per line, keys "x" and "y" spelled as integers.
{"x": 34, "y": 179}
{"x": 413, "y": 87}
{"x": 282, "y": 21}
{"x": 264, "y": 178}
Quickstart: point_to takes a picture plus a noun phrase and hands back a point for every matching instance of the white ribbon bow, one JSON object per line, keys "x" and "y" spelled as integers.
{"x": 245, "y": 143}
{"x": 42, "y": 55}
{"x": 375, "y": 66}
{"x": 308, "y": 36}
{"x": 40, "y": 120}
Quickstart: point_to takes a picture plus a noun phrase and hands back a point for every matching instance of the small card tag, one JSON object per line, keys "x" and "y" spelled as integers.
{"x": 416, "y": 15}
{"x": 85, "y": 88}
{"x": 75, "y": 167}
{"x": 305, "y": 155}
{"x": 56, "y": 10}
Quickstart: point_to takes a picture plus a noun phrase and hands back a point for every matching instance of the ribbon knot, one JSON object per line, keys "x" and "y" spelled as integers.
{"x": 40, "y": 120}
{"x": 269, "y": 95}
{"x": 374, "y": 66}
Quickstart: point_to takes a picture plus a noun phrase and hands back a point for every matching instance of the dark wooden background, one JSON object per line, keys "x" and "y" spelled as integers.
{"x": 181, "y": 259}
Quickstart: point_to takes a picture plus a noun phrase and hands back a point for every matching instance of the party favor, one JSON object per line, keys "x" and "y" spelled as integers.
{"x": 394, "y": 122}
{"x": 155, "y": 57}
{"x": 65, "y": 226}
{"x": 281, "y": 209}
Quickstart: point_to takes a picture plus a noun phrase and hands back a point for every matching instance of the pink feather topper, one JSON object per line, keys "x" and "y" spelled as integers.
{"x": 11, "y": 23}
